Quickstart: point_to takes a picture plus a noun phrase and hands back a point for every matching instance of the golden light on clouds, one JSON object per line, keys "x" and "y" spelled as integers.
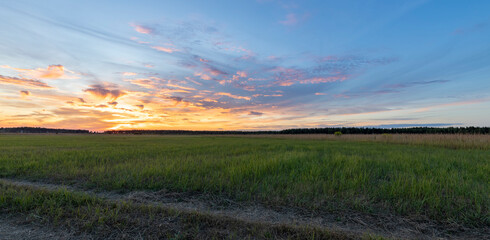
{"x": 51, "y": 72}
{"x": 197, "y": 70}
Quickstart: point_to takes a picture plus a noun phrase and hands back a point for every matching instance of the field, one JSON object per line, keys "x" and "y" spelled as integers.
{"x": 293, "y": 186}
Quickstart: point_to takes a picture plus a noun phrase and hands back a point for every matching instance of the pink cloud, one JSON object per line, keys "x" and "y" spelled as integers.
{"x": 142, "y": 29}
{"x": 242, "y": 74}
{"x": 164, "y": 49}
{"x": 202, "y": 75}
{"x": 213, "y": 71}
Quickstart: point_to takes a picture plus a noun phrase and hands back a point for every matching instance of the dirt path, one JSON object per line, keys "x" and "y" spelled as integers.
{"x": 18, "y": 228}
{"x": 354, "y": 223}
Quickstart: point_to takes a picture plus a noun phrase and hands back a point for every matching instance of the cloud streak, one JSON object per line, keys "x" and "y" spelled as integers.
{"x": 32, "y": 83}
{"x": 103, "y": 92}
{"x": 142, "y": 29}
{"x": 51, "y": 72}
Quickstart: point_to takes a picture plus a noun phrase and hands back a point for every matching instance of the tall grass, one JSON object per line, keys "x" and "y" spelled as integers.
{"x": 457, "y": 141}
{"x": 446, "y": 184}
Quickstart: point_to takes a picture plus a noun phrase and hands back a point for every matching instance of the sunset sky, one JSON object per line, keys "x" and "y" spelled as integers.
{"x": 244, "y": 65}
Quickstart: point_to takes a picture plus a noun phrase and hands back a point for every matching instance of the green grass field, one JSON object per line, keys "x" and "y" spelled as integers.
{"x": 445, "y": 184}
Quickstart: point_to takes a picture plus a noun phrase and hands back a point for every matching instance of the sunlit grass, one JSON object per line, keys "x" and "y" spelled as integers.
{"x": 436, "y": 180}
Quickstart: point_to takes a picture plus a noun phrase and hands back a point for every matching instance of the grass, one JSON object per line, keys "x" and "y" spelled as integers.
{"x": 453, "y": 141}
{"x": 446, "y": 182}
{"x": 122, "y": 220}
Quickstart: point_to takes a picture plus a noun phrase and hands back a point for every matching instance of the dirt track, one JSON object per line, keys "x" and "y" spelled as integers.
{"x": 15, "y": 228}
{"x": 352, "y": 223}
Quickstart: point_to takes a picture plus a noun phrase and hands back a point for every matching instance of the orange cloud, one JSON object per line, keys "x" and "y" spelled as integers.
{"x": 23, "y": 82}
{"x": 51, "y": 72}
{"x": 165, "y": 49}
{"x": 129, "y": 74}
{"x": 202, "y": 75}
{"x": 143, "y": 82}
{"x": 142, "y": 29}
{"x": 102, "y": 92}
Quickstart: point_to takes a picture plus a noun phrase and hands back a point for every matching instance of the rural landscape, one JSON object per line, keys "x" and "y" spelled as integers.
{"x": 261, "y": 186}
{"x": 246, "y": 119}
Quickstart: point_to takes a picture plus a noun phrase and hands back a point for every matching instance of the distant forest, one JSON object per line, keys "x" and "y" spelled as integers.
{"x": 344, "y": 130}
{"x": 40, "y": 130}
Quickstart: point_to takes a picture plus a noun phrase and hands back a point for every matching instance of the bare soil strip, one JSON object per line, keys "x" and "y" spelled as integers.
{"x": 389, "y": 226}
{"x": 18, "y": 228}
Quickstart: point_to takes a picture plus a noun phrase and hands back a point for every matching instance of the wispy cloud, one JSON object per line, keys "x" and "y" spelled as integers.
{"x": 253, "y": 113}
{"x": 51, "y": 72}
{"x": 233, "y": 96}
{"x": 142, "y": 29}
{"x": 164, "y": 49}
{"x": 23, "y": 82}
{"x": 410, "y": 84}
{"x": 103, "y": 92}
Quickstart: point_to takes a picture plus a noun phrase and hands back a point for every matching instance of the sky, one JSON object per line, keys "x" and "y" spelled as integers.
{"x": 244, "y": 65}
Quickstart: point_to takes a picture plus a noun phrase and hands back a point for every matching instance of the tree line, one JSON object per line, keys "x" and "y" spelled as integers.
{"x": 40, "y": 130}
{"x": 343, "y": 130}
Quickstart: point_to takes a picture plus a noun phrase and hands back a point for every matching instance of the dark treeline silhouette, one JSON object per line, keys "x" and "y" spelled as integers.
{"x": 343, "y": 130}
{"x": 40, "y": 130}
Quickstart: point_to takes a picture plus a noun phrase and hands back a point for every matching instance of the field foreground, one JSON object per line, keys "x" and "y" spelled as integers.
{"x": 315, "y": 186}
